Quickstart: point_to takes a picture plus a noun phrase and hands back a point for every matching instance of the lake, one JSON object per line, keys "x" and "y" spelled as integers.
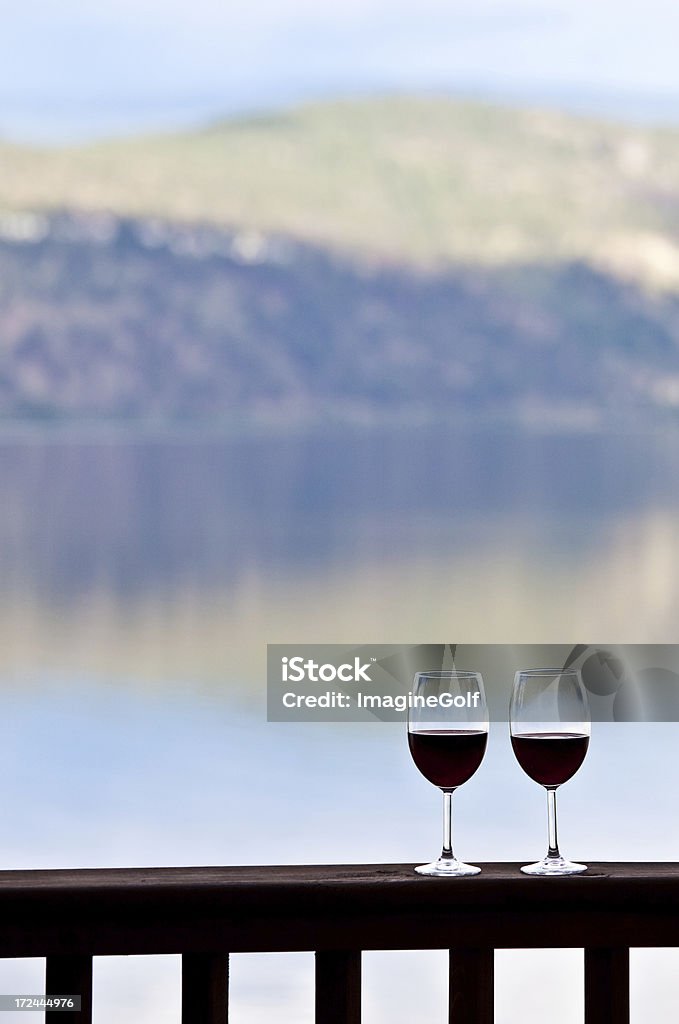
{"x": 140, "y": 580}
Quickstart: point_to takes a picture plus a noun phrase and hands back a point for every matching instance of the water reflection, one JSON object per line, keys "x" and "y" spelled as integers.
{"x": 134, "y": 517}
{"x": 181, "y": 558}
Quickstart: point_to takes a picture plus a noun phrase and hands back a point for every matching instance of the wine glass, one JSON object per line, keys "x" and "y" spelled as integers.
{"x": 550, "y": 729}
{"x": 447, "y": 736}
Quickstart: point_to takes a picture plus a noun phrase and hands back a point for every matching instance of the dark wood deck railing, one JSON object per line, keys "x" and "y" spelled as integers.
{"x": 208, "y": 913}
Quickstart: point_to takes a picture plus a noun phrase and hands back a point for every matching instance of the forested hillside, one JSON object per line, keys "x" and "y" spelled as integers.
{"x": 400, "y": 259}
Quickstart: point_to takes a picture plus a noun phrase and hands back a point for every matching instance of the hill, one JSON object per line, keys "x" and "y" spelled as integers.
{"x": 424, "y": 181}
{"x": 394, "y": 260}
{"x": 154, "y": 322}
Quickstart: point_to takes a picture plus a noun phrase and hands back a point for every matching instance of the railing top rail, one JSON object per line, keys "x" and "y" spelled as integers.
{"x": 325, "y": 887}
{"x": 374, "y": 906}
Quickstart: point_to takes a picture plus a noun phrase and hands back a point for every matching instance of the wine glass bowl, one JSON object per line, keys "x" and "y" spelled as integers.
{"x": 550, "y": 730}
{"x": 550, "y": 758}
{"x": 447, "y": 736}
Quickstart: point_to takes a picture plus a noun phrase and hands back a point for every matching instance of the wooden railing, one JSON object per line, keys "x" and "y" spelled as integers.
{"x": 208, "y": 913}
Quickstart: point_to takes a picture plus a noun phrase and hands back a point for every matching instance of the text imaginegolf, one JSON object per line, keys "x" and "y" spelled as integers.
{"x": 374, "y": 701}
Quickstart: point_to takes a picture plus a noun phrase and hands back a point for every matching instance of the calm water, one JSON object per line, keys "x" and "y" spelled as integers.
{"x": 181, "y": 559}
{"x": 139, "y": 583}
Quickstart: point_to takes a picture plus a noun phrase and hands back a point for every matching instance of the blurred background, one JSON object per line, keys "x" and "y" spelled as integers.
{"x": 347, "y": 323}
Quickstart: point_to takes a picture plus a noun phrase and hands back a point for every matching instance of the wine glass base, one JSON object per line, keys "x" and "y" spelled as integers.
{"x": 447, "y": 869}
{"x": 554, "y": 866}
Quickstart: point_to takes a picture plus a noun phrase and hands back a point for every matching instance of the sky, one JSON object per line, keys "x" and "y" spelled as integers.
{"x": 74, "y": 67}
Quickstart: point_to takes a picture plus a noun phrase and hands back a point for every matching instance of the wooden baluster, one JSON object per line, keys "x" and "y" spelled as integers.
{"x": 69, "y": 976}
{"x": 205, "y": 988}
{"x": 471, "y": 978}
{"x": 607, "y": 986}
{"x": 338, "y": 987}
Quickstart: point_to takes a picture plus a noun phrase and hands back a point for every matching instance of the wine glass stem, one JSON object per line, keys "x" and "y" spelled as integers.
{"x": 553, "y": 851}
{"x": 447, "y": 852}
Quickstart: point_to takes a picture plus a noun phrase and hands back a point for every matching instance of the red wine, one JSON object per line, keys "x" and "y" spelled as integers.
{"x": 550, "y": 758}
{"x": 448, "y": 758}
